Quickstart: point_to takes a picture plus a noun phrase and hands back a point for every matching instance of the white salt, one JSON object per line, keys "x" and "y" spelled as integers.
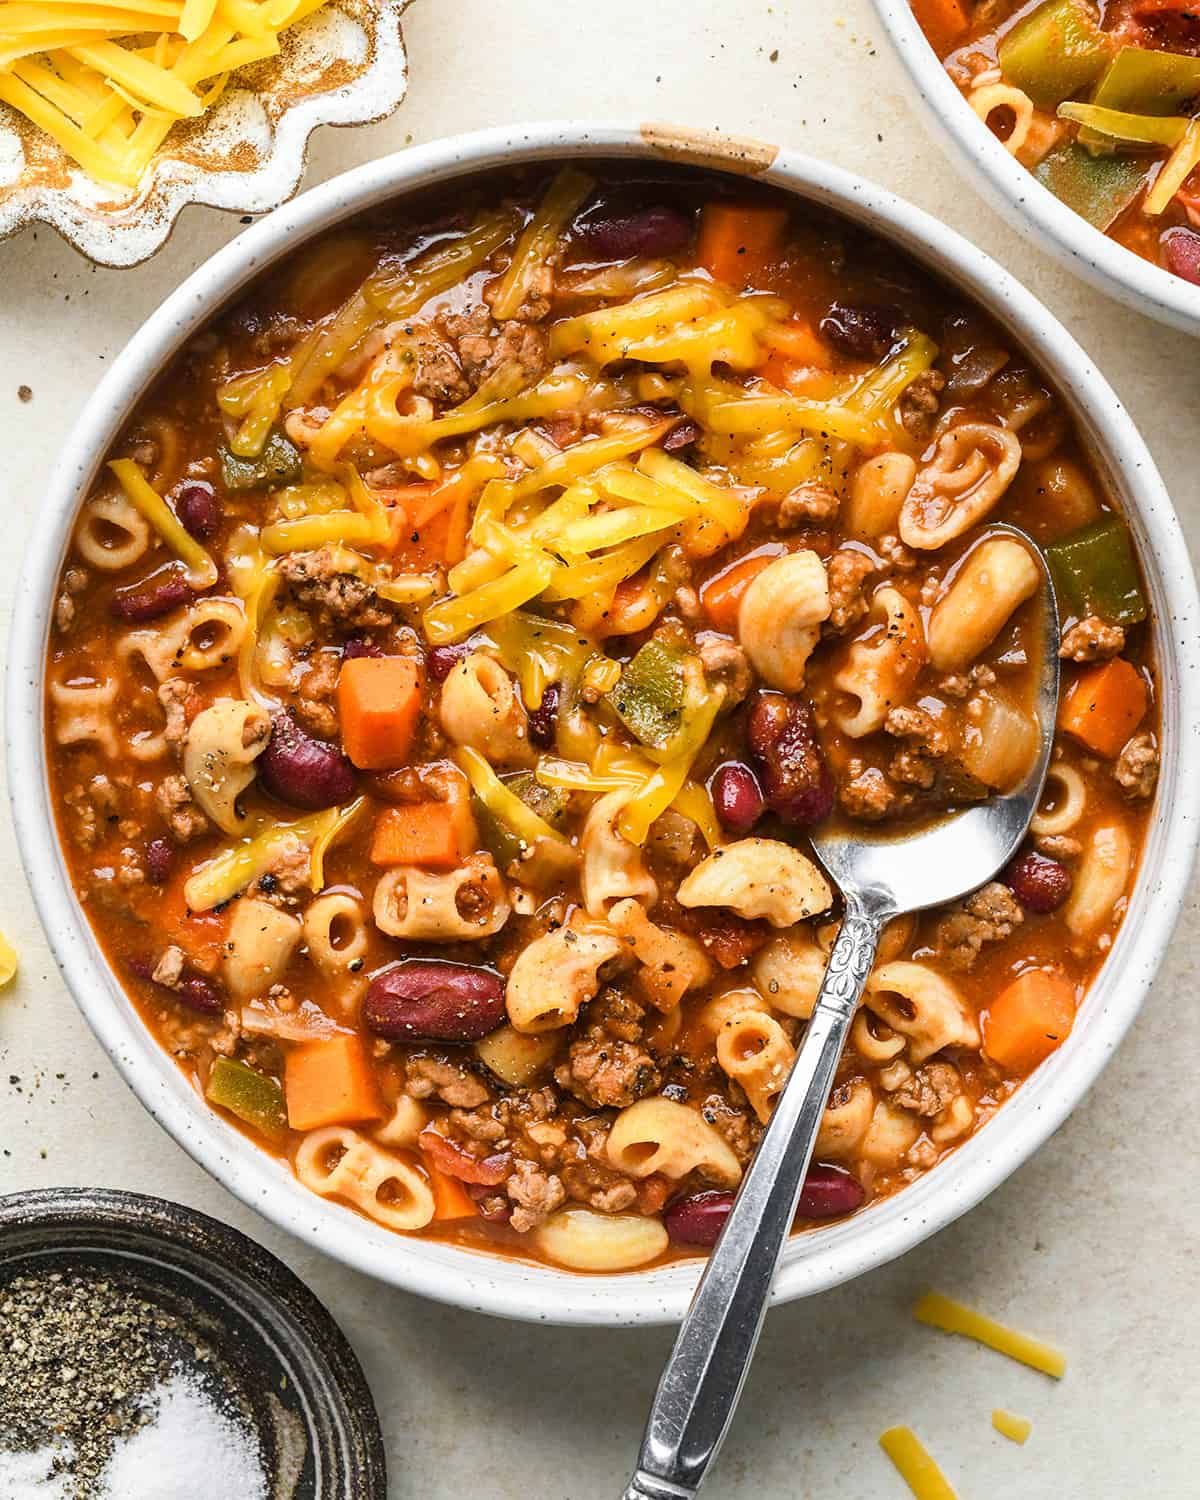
{"x": 188, "y": 1450}
{"x": 29, "y": 1476}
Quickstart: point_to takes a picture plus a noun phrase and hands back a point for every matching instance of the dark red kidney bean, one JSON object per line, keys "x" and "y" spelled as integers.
{"x": 658, "y": 230}
{"x": 138, "y": 605}
{"x": 682, "y": 435}
{"x": 160, "y": 860}
{"x": 358, "y": 645}
{"x": 442, "y": 660}
{"x": 302, "y": 771}
{"x": 737, "y": 796}
{"x": 543, "y": 721}
{"x": 424, "y": 1000}
{"x": 1181, "y": 252}
{"x": 1039, "y": 883}
{"x": 795, "y": 779}
{"x": 699, "y": 1218}
{"x": 828, "y": 1192}
{"x": 140, "y": 965}
{"x": 864, "y": 330}
{"x": 198, "y": 510}
{"x": 201, "y": 995}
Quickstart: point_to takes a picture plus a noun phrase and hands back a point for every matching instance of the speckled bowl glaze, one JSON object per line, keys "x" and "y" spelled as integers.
{"x": 345, "y": 65}
{"x": 1020, "y": 199}
{"x": 270, "y": 1347}
{"x": 812, "y": 1261}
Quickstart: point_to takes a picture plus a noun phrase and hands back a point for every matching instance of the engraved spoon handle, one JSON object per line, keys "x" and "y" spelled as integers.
{"x": 703, "y": 1379}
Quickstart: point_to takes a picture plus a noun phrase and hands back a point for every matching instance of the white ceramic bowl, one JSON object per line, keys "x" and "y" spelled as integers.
{"x": 1020, "y": 199}
{"x": 811, "y": 1261}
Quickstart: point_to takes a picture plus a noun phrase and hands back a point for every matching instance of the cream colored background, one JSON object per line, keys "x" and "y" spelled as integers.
{"x": 1093, "y": 1242}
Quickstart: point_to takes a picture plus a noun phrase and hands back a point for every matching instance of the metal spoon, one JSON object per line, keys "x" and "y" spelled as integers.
{"x": 881, "y": 876}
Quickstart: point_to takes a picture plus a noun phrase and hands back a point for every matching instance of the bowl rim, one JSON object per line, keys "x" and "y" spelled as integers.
{"x": 499, "y": 1285}
{"x": 1014, "y": 192}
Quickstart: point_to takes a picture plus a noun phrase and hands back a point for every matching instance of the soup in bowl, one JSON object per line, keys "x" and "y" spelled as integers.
{"x": 459, "y": 636}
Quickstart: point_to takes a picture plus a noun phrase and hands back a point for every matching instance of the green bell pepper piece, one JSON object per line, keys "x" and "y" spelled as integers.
{"x": 506, "y": 846}
{"x": 1117, "y": 127}
{"x": 1055, "y": 51}
{"x": 1100, "y": 188}
{"x": 1096, "y": 573}
{"x": 254, "y": 1097}
{"x": 278, "y": 464}
{"x": 1149, "y": 83}
{"x": 649, "y": 696}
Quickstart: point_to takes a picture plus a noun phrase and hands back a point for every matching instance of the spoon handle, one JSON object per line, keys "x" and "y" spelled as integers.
{"x": 703, "y": 1378}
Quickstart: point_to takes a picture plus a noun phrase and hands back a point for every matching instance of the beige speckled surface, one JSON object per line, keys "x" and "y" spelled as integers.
{"x": 1091, "y": 1243}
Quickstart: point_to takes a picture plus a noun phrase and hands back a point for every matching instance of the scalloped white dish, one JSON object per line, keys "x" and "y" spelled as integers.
{"x": 343, "y": 65}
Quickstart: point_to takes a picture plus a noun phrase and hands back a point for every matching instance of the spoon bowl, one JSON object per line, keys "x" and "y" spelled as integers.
{"x": 881, "y": 875}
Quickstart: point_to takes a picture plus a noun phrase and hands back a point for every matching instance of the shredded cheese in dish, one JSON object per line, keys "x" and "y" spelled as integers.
{"x": 953, "y": 1317}
{"x": 107, "y": 81}
{"x": 8, "y": 961}
{"x": 916, "y": 1467}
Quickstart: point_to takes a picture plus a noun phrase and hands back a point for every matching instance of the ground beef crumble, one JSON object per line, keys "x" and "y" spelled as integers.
{"x": 725, "y": 664}
{"x": 1091, "y": 639}
{"x": 433, "y": 1076}
{"x": 484, "y": 346}
{"x": 848, "y": 572}
{"x": 920, "y": 403}
{"x": 1136, "y": 770}
{"x": 812, "y": 503}
{"x": 608, "y": 1065}
{"x": 336, "y": 599}
{"x": 929, "y": 1090}
{"x": 173, "y": 798}
{"x": 985, "y": 917}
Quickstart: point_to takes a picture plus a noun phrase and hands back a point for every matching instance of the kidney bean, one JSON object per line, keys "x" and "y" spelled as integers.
{"x": 456, "y": 1161}
{"x": 201, "y": 995}
{"x": 198, "y": 510}
{"x": 699, "y": 1218}
{"x": 442, "y": 660}
{"x": 656, "y": 230}
{"x": 160, "y": 860}
{"x": 682, "y": 435}
{"x": 828, "y": 1192}
{"x": 428, "y": 1000}
{"x": 138, "y": 605}
{"x": 795, "y": 778}
{"x": 1181, "y": 252}
{"x": 543, "y": 721}
{"x": 864, "y": 330}
{"x": 302, "y": 771}
{"x": 358, "y": 645}
{"x": 737, "y": 796}
{"x": 1039, "y": 883}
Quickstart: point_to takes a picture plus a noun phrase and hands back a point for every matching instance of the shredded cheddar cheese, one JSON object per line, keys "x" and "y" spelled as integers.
{"x": 1015, "y": 1428}
{"x": 8, "y": 961}
{"x": 953, "y": 1317}
{"x": 915, "y": 1465}
{"x": 107, "y": 81}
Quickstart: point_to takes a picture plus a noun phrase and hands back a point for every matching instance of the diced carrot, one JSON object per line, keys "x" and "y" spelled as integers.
{"x": 798, "y": 380}
{"x": 1105, "y": 705}
{"x": 330, "y": 1082}
{"x": 796, "y": 340}
{"x": 420, "y": 833}
{"x": 722, "y": 595}
{"x": 942, "y": 21}
{"x": 450, "y": 1199}
{"x": 739, "y": 240}
{"x": 1029, "y": 1019}
{"x": 379, "y": 699}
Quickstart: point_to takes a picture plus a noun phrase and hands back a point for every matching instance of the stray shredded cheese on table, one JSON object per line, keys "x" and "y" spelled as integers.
{"x": 915, "y": 1465}
{"x": 8, "y": 961}
{"x": 953, "y": 1317}
{"x": 1011, "y": 1426}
